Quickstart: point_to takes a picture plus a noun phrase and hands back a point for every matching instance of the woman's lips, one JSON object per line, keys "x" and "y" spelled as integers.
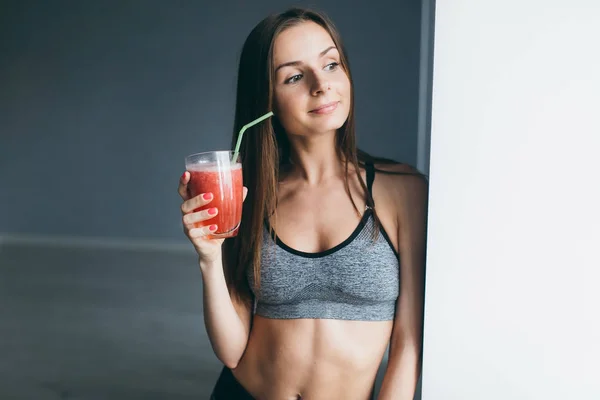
{"x": 325, "y": 108}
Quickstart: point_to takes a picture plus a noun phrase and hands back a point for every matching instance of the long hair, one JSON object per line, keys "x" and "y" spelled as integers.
{"x": 265, "y": 147}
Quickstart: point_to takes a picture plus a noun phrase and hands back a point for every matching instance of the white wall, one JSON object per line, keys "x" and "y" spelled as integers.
{"x": 512, "y": 298}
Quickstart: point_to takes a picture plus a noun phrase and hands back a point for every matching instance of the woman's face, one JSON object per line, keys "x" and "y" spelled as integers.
{"x": 312, "y": 91}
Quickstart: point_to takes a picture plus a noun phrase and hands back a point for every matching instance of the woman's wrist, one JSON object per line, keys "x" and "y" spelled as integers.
{"x": 211, "y": 264}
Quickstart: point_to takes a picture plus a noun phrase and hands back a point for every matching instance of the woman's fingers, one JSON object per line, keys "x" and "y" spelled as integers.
{"x": 196, "y": 202}
{"x": 183, "y": 181}
{"x": 191, "y": 218}
{"x": 197, "y": 233}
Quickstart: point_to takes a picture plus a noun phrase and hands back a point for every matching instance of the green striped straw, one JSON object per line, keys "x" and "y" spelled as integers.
{"x": 248, "y": 125}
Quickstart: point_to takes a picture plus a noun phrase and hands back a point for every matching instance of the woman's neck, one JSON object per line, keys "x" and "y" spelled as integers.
{"x": 314, "y": 160}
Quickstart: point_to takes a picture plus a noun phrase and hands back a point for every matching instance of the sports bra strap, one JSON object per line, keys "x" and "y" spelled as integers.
{"x": 370, "y": 169}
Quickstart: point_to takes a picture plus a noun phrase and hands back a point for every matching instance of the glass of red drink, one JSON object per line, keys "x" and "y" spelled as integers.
{"x": 217, "y": 173}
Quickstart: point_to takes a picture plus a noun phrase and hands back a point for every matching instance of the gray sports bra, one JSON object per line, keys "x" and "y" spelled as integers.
{"x": 359, "y": 279}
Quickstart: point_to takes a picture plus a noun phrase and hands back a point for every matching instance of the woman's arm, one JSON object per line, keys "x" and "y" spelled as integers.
{"x": 226, "y": 318}
{"x": 404, "y": 362}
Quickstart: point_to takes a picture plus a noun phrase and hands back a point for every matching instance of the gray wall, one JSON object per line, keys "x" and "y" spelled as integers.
{"x": 100, "y": 102}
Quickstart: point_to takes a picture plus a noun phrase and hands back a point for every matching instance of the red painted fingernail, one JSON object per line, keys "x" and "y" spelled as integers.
{"x": 207, "y": 196}
{"x": 183, "y": 176}
{"x": 212, "y": 227}
{"x": 212, "y": 211}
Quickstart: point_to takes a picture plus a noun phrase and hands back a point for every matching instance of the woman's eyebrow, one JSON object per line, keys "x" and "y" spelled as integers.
{"x": 296, "y": 63}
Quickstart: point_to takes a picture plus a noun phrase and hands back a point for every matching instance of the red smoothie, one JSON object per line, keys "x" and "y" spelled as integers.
{"x": 225, "y": 183}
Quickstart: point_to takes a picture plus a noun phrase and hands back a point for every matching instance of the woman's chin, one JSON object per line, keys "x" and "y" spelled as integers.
{"x": 327, "y": 125}
{"x": 321, "y": 127}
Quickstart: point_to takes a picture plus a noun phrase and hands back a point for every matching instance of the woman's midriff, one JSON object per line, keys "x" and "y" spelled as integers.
{"x": 312, "y": 359}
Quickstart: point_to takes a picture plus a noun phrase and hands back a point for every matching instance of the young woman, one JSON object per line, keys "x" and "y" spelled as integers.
{"x": 328, "y": 265}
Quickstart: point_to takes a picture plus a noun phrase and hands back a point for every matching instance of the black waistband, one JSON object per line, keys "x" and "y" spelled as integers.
{"x": 228, "y": 388}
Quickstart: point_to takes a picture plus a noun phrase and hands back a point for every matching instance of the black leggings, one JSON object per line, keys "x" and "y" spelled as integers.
{"x": 228, "y": 388}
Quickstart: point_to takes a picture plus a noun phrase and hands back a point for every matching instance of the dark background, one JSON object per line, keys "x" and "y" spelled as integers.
{"x": 99, "y": 103}
{"x": 101, "y": 100}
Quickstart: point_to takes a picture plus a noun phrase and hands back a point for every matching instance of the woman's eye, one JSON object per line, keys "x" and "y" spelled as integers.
{"x": 294, "y": 79}
{"x": 329, "y": 67}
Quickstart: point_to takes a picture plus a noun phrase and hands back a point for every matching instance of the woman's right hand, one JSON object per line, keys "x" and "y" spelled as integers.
{"x": 209, "y": 250}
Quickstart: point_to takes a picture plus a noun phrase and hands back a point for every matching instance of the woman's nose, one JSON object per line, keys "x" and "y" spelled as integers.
{"x": 320, "y": 85}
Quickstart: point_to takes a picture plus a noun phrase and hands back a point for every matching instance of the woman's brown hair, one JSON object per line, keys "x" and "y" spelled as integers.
{"x": 265, "y": 147}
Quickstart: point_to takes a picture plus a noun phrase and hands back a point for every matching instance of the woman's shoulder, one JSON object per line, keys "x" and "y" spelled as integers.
{"x": 398, "y": 173}
{"x": 396, "y": 168}
{"x": 402, "y": 183}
